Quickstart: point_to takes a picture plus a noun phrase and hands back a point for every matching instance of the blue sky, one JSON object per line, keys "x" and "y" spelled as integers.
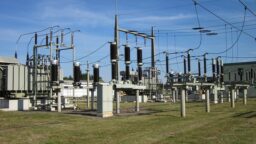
{"x": 172, "y": 19}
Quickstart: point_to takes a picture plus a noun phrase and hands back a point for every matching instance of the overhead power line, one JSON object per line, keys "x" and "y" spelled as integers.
{"x": 222, "y": 19}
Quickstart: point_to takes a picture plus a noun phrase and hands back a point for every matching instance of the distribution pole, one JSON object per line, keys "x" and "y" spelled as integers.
{"x": 152, "y": 48}
{"x": 116, "y": 40}
{"x": 88, "y": 79}
{"x": 35, "y": 73}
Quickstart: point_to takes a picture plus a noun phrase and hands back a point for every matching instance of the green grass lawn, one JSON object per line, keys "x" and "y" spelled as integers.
{"x": 162, "y": 125}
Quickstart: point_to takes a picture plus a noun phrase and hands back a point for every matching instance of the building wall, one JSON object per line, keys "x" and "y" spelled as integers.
{"x": 231, "y": 72}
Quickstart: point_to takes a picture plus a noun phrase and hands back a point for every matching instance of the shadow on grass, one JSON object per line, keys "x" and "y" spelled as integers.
{"x": 249, "y": 114}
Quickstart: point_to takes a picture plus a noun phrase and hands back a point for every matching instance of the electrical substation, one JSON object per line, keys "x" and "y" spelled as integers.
{"x": 39, "y": 84}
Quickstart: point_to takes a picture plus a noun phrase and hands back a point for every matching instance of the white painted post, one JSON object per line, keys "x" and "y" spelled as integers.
{"x": 183, "y": 106}
{"x": 59, "y": 102}
{"x": 233, "y": 98}
{"x": 207, "y": 98}
{"x": 186, "y": 95}
{"x": 221, "y": 97}
{"x": 237, "y": 94}
{"x": 229, "y": 99}
{"x": 92, "y": 99}
{"x": 245, "y": 96}
{"x": 215, "y": 92}
{"x": 177, "y": 94}
{"x": 174, "y": 96}
{"x": 137, "y": 108}
{"x": 117, "y": 102}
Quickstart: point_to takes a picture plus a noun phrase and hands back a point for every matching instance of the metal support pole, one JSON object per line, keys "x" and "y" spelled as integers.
{"x": 186, "y": 92}
{"x": 117, "y": 102}
{"x": 237, "y": 94}
{"x": 59, "y": 102}
{"x": 116, "y": 39}
{"x": 215, "y": 91}
{"x": 233, "y": 98}
{"x": 177, "y": 94}
{"x": 183, "y": 103}
{"x": 229, "y": 96}
{"x": 35, "y": 76}
{"x": 50, "y": 85}
{"x": 149, "y": 82}
{"x": 88, "y": 79}
{"x": 152, "y": 49}
{"x": 245, "y": 96}
{"x": 137, "y": 108}
{"x": 92, "y": 99}
{"x": 207, "y": 102}
{"x": 221, "y": 97}
{"x": 174, "y": 96}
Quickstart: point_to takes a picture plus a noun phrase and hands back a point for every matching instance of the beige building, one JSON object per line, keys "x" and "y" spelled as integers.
{"x": 243, "y": 73}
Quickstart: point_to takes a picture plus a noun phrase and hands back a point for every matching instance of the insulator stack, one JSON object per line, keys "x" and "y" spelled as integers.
{"x": 213, "y": 69}
{"x": 46, "y": 40}
{"x": 140, "y": 73}
{"x": 179, "y": 77}
{"x": 251, "y": 74}
{"x": 57, "y": 42}
{"x": 113, "y": 72}
{"x": 35, "y": 38}
{"x": 77, "y": 72}
{"x": 127, "y": 58}
{"x": 27, "y": 60}
{"x": 96, "y": 73}
{"x": 189, "y": 63}
{"x": 139, "y": 61}
{"x": 127, "y": 72}
{"x": 199, "y": 68}
{"x": 139, "y": 56}
{"x": 50, "y": 36}
{"x": 72, "y": 39}
{"x": 218, "y": 67}
{"x": 185, "y": 65}
{"x": 205, "y": 66}
{"x": 62, "y": 38}
{"x": 221, "y": 71}
{"x": 54, "y": 71}
{"x": 113, "y": 52}
{"x": 167, "y": 64}
{"x": 127, "y": 55}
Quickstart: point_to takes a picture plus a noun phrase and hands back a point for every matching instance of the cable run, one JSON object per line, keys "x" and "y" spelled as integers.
{"x": 231, "y": 47}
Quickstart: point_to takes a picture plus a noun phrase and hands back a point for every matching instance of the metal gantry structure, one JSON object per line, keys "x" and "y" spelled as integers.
{"x": 50, "y": 66}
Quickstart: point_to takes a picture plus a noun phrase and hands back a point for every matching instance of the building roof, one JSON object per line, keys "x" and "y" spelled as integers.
{"x": 240, "y": 63}
{"x": 8, "y": 60}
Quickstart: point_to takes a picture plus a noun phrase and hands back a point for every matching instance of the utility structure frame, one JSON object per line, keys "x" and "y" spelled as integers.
{"x": 115, "y": 64}
{"x": 59, "y": 47}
